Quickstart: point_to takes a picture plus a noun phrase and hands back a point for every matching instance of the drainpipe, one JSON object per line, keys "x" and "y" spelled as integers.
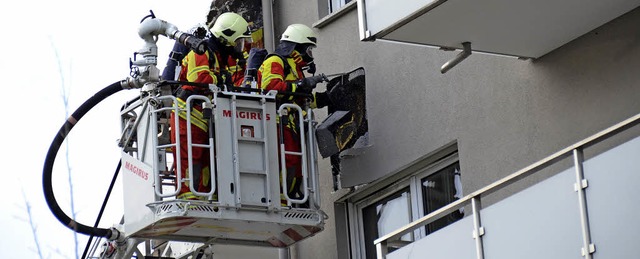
{"x": 283, "y": 253}
{"x": 466, "y": 51}
{"x": 267, "y": 21}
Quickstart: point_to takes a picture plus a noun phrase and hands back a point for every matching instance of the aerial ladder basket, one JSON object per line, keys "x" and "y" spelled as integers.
{"x": 243, "y": 204}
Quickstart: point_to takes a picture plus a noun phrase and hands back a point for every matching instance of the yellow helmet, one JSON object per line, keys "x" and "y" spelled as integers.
{"x": 230, "y": 27}
{"x": 299, "y": 33}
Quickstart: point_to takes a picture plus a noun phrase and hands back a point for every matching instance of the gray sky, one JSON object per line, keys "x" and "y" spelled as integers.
{"x": 77, "y": 47}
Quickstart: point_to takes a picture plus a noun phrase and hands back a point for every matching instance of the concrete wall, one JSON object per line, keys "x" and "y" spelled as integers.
{"x": 503, "y": 113}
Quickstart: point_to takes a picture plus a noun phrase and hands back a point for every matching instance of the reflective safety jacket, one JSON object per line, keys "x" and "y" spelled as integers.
{"x": 197, "y": 118}
{"x": 197, "y": 68}
{"x": 208, "y": 69}
{"x": 271, "y": 76}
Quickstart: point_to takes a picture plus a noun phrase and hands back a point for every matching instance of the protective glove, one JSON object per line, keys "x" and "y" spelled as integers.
{"x": 311, "y": 68}
{"x": 307, "y": 84}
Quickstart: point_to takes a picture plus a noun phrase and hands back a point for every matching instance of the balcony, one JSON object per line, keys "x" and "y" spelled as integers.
{"x": 519, "y": 28}
{"x": 588, "y": 208}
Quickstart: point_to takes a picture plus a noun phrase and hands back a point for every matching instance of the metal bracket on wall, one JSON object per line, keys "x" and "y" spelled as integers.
{"x": 589, "y": 250}
{"x": 582, "y": 185}
{"x": 466, "y": 51}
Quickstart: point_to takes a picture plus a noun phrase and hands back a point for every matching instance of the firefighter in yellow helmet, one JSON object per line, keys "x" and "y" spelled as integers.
{"x": 231, "y": 35}
{"x": 229, "y": 32}
{"x": 284, "y": 72}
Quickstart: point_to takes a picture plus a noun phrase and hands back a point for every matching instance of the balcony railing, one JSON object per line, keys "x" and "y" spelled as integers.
{"x": 550, "y": 219}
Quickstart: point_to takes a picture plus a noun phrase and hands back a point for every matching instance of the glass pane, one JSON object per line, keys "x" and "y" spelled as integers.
{"x": 453, "y": 242}
{"x": 612, "y": 200}
{"x": 385, "y": 216}
{"x": 440, "y": 189}
{"x": 334, "y": 5}
{"x": 541, "y": 221}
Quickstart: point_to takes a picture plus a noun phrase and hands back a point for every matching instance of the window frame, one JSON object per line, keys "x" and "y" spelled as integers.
{"x": 373, "y": 199}
{"x": 326, "y": 17}
{"x": 419, "y": 178}
{"x": 413, "y": 181}
{"x": 341, "y": 4}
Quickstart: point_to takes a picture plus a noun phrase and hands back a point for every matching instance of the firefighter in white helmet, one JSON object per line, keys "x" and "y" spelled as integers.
{"x": 229, "y": 32}
{"x": 284, "y": 72}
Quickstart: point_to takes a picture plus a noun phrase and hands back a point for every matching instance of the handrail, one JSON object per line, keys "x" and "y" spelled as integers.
{"x": 207, "y": 101}
{"x": 190, "y": 145}
{"x": 283, "y": 111}
{"x": 235, "y": 150}
{"x": 175, "y": 146}
{"x": 381, "y": 242}
{"x": 265, "y": 151}
{"x": 313, "y": 161}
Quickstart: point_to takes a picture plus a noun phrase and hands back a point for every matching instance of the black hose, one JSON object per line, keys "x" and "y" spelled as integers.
{"x": 51, "y": 156}
{"x": 104, "y": 205}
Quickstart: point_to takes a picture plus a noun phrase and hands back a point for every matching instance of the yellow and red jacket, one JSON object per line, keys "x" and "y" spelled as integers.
{"x": 205, "y": 69}
{"x": 197, "y": 68}
{"x": 237, "y": 70}
{"x": 271, "y": 76}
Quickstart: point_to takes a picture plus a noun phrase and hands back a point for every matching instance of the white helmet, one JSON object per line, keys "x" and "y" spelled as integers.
{"x": 299, "y": 33}
{"x": 230, "y": 27}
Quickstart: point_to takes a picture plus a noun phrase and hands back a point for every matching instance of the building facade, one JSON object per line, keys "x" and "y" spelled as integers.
{"x": 435, "y": 137}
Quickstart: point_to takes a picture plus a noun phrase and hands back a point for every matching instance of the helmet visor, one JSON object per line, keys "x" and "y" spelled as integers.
{"x": 309, "y": 51}
{"x": 239, "y": 44}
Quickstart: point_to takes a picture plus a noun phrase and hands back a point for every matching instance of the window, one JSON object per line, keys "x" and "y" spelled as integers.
{"x": 330, "y": 10}
{"x": 440, "y": 189}
{"x": 335, "y": 5}
{"x": 402, "y": 202}
{"x": 384, "y": 216}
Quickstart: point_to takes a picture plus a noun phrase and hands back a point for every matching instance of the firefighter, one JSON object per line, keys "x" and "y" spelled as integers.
{"x": 232, "y": 50}
{"x": 296, "y": 49}
{"x": 228, "y": 35}
{"x": 236, "y": 65}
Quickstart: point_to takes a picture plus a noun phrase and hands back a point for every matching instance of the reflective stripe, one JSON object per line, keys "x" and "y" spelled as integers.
{"x": 270, "y": 73}
{"x": 272, "y": 76}
{"x": 193, "y": 73}
{"x": 188, "y": 196}
{"x": 205, "y": 175}
{"x": 234, "y": 69}
{"x": 198, "y": 69}
{"x": 292, "y": 123}
{"x": 293, "y": 184}
{"x": 196, "y": 116}
{"x": 191, "y": 196}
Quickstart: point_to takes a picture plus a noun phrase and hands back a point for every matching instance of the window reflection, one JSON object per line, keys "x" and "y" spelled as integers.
{"x": 440, "y": 189}
{"x": 385, "y": 216}
{"x": 334, "y": 5}
{"x": 390, "y": 208}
